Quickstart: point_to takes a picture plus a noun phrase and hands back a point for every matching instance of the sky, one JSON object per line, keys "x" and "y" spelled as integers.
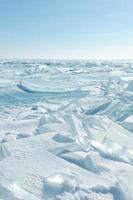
{"x": 66, "y": 29}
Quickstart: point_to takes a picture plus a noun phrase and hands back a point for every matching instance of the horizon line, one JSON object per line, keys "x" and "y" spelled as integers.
{"x": 13, "y": 58}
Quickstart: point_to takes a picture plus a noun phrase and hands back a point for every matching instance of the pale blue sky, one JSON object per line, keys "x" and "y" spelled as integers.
{"x": 87, "y": 29}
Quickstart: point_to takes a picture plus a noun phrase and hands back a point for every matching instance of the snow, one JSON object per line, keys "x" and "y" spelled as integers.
{"x": 66, "y": 130}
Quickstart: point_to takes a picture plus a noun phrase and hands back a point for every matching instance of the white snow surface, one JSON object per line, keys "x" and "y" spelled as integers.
{"x": 66, "y": 130}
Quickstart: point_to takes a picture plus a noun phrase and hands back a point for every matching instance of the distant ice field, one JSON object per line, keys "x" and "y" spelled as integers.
{"x": 66, "y": 130}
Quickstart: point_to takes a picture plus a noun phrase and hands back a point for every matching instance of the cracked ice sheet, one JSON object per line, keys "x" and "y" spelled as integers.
{"x": 66, "y": 130}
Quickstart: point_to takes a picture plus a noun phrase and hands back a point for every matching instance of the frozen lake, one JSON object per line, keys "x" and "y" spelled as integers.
{"x": 66, "y": 130}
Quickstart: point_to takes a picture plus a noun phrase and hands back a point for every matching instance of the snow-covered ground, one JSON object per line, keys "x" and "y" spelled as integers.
{"x": 66, "y": 130}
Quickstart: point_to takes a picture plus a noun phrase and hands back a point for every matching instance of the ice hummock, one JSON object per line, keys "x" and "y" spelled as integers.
{"x": 66, "y": 130}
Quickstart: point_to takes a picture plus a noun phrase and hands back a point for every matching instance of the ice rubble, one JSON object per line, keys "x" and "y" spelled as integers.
{"x": 66, "y": 130}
